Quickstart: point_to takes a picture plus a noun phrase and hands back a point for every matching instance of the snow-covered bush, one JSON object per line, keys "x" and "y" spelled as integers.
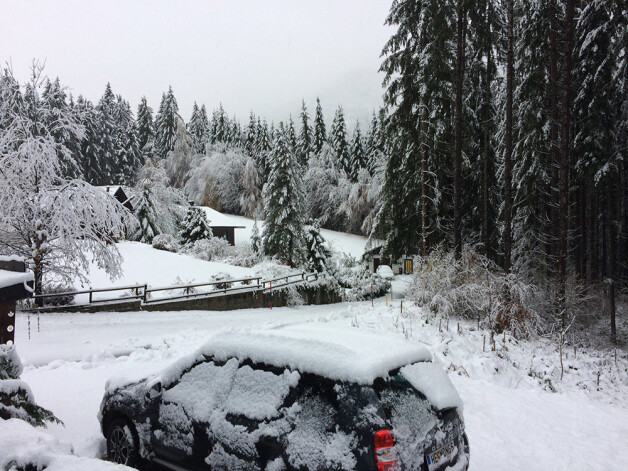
{"x": 225, "y": 277}
{"x": 241, "y": 256}
{"x": 166, "y": 242}
{"x": 356, "y": 280}
{"x": 62, "y": 299}
{"x": 214, "y": 248}
{"x": 16, "y": 398}
{"x": 474, "y": 286}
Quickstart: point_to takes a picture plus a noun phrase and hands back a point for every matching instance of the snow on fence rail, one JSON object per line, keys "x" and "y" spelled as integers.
{"x": 188, "y": 291}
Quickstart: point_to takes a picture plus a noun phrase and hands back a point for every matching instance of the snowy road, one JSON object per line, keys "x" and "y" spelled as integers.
{"x": 70, "y": 358}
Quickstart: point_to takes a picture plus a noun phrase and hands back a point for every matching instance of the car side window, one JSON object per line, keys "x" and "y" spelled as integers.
{"x": 193, "y": 399}
{"x": 246, "y": 429}
{"x": 203, "y": 389}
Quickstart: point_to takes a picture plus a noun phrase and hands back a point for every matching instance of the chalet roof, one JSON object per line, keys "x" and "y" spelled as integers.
{"x": 217, "y": 219}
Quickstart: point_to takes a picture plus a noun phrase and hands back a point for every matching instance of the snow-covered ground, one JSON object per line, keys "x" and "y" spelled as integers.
{"x": 519, "y": 414}
{"x": 513, "y": 419}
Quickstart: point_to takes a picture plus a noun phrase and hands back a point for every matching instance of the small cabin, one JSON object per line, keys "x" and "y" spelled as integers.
{"x": 222, "y": 225}
{"x": 404, "y": 265}
{"x": 119, "y": 194}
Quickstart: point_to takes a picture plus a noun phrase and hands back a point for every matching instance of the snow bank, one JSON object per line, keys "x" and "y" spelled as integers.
{"x": 432, "y": 381}
{"x": 342, "y": 354}
{"x": 22, "y": 445}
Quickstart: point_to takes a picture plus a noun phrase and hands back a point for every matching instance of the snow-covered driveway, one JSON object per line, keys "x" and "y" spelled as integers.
{"x": 70, "y": 358}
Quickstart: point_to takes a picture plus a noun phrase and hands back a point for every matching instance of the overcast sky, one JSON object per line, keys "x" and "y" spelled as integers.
{"x": 263, "y": 55}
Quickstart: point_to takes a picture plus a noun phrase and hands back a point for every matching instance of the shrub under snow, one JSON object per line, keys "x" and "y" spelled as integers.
{"x": 165, "y": 242}
{"x": 473, "y": 286}
{"x": 212, "y": 249}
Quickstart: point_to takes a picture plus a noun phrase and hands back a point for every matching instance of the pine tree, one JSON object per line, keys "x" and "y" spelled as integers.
{"x": 284, "y": 205}
{"x": 358, "y": 157}
{"x": 338, "y": 140}
{"x": 219, "y": 126}
{"x": 145, "y": 214}
{"x": 419, "y": 67}
{"x": 145, "y": 130}
{"x": 316, "y": 248}
{"x": 305, "y": 136}
{"x": 320, "y": 134}
{"x": 128, "y": 153}
{"x": 54, "y": 98}
{"x": 89, "y": 147}
{"x": 292, "y": 137}
{"x": 166, "y": 125}
{"x": 256, "y": 241}
{"x": 106, "y": 138}
{"x": 197, "y": 128}
{"x": 195, "y": 226}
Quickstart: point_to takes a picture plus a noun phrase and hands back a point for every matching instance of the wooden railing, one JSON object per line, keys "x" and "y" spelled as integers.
{"x": 188, "y": 291}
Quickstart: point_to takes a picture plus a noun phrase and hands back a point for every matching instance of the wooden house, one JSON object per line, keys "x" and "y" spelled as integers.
{"x": 404, "y": 265}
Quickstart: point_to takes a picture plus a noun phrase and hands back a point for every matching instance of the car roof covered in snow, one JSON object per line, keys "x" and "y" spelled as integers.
{"x": 343, "y": 354}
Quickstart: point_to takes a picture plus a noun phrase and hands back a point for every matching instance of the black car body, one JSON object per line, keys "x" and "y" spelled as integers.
{"x": 292, "y": 399}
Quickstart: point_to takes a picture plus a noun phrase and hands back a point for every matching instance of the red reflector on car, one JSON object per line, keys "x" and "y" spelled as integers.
{"x": 385, "y": 454}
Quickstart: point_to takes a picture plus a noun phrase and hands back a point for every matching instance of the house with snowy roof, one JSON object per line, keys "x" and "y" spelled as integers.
{"x": 222, "y": 225}
{"x": 404, "y": 265}
{"x": 119, "y": 194}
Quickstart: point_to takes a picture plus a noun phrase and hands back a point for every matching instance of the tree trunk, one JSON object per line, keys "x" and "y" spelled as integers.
{"x": 554, "y": 146}
{"x": 610, "y": 259}
{"x": 508, "y": 138}
{"x": 460, "y": 58}
{"x": 565, "y": 153}
{"x": 487, "y": 121}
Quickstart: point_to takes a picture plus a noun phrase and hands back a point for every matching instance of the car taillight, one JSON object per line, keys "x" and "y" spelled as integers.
{"x": 385, "y": 454}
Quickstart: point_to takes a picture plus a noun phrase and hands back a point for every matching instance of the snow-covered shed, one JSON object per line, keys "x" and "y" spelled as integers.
{"x": 119, "y": 194}
{"x": 222, "y": 225}
{"x": 404, "y": 265}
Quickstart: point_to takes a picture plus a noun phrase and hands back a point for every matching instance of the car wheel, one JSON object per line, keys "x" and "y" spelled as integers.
{"x": 122, "y": 443}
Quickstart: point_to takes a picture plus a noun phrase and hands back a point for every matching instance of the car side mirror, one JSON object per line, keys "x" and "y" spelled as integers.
{"x": 154, "y": 391}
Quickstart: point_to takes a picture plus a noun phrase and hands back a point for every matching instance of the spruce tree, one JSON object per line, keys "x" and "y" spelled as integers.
{"x": 256, "y": 241}
{"x": 145, "y": 214}
{"x": 358, "y": 156}
{"x": 338, "y": 140}
{"x": 305, "y": 136}
{"x": 320, "y": 133}
{"x": 317, "y": 252}
{"x": 107, "y": 158}
{"x": 166, "y": 125}
{"x": 145, "y": 130}
{"x": 197, "y": 129}
{"x": 284, "y": 204}
{"x": 195, "y": 226}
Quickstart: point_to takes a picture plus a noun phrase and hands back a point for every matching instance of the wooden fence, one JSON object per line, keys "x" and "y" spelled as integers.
{"x": 144, "y": 292}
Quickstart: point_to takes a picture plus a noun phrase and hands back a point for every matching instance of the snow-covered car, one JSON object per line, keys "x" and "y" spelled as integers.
{"x": 292, "y": 398}
{"x": 385, "y": 272}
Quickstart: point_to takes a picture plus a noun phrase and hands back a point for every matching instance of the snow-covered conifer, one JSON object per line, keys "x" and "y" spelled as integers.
{"x": 338, "y": 140}
{"x": 320, "y": 134}
{"x": 195, "y": 226}
{"x": 284, "y": 205}
{"x": 305, "y": 136}
{"x": 316, "y": 248}
{"x": 166, "y": 125}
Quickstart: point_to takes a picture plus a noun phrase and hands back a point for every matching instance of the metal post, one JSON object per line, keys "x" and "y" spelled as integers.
{"x": 29, "y": 327}
{"x": 391, "y": 297}
{"x": 372, "y": 302}
{"x": 271, "y": 295}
